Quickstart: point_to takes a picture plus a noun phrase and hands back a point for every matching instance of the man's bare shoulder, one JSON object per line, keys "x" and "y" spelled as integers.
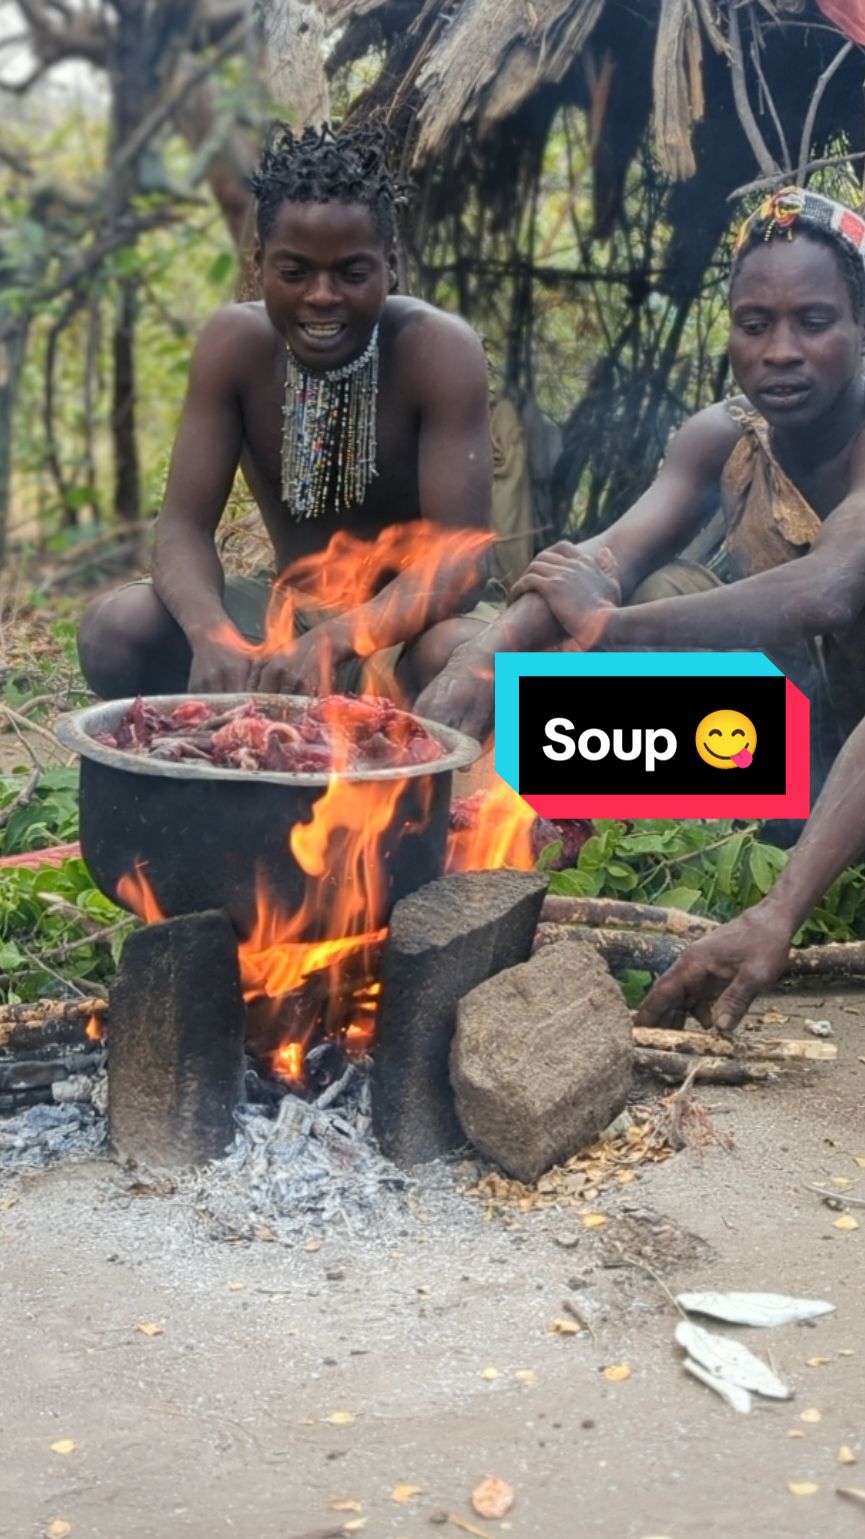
{"x": 705, "y": 442}
{"x": 236, "y": 337}
{"x": 431, "y": 347}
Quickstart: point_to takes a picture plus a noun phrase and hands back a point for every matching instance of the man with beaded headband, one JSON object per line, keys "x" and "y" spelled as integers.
{"x": 786, "y": 462}
{"x": 346, "y": 407}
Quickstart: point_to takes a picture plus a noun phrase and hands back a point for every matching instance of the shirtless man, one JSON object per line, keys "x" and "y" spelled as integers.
{"x": 418, "y": 423}
{"x": 788, "y": 463}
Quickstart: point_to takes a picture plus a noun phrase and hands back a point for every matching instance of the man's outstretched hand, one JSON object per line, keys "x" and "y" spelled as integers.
{"x": 720, "y": 975}
{"x": 462, "y": 696}
{"x": 307, "y": 667}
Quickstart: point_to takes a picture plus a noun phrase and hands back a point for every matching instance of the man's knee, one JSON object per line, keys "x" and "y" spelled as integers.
{"x": 129, "y": 644}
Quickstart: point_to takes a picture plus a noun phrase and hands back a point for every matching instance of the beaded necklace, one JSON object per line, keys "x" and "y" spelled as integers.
{"x": 329, "y": 433}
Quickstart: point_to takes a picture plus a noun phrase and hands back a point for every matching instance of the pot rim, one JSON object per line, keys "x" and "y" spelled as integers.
{"x": 75, "y": 728}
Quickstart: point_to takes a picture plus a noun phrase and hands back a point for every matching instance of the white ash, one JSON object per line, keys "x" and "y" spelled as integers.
{"x": 44, "y": 1134}
{"x": 314, "y": 1163}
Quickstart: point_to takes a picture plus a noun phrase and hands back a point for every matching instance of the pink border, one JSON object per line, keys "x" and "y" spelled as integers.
{"x": 794, "y": 803}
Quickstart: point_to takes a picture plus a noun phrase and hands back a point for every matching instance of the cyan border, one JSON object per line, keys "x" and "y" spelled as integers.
{"x": 512, "y": 666}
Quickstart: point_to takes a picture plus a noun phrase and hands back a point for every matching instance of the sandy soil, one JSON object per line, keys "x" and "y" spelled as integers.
{"x": 219, "y": 1425}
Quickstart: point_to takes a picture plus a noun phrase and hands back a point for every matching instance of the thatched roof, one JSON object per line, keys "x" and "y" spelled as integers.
{"x": 471, "y": 88}
{"x": 478, "y": 63}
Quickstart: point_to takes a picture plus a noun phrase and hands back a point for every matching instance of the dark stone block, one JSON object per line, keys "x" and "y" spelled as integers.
{"x": 444, "y": 940}
{"x": 176, "y": 1061}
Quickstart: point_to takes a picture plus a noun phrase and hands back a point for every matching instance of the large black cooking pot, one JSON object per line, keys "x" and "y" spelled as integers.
{"x": 206, "y": 835}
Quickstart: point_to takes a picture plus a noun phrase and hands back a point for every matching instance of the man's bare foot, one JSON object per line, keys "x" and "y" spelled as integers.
{"x": 463, "y": 694}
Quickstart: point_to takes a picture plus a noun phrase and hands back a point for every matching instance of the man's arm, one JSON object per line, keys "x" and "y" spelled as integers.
{"x": 605, "y": 569}
{"x": 187, "y": 573}
{"x": 718, "y": 977}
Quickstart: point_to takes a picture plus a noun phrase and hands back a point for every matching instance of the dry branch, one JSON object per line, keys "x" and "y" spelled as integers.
{"x": 654, "y": 953}
{"x": 23, "y": 799}
{"x": 643, "y": 916}
{"x": 709, "y": 1044}
{"x": 674, "y": 1068}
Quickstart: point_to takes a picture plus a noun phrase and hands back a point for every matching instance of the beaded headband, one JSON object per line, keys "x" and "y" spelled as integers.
{"x": 784, "y": 207}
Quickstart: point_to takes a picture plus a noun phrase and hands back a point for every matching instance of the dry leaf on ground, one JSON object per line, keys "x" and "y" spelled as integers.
{"x": 340, "y": 1418}
{"x": 802, "y": 1487}
{"x": 405, "y": 1493}
{"x": 846, "y": 1222}
{"x": 616, "y": 1373}
{"x": 594, "y": 1220}
{"x": 526, "y": 1376}
{"x": 59, "y": 1529}
{"x": 754, "y": 1308}
{"x": 493, "y": 1498}
{"x": 150, "y": 1328}
{"x": 816, "y": 1362}
{"x": 345, "y": 1504}
{"x": 812, "y": 1415}
{"x": 64, "y": 1445}
{"x": 846, "y": 1455}
{"x": 563, "y": 1328}
{"x": 312, "y": 1246}
{"x": 490, "y": 1374}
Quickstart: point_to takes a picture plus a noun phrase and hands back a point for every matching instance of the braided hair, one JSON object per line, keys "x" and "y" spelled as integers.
{"x": 761, "y": 231}
{"x": 321, "y": 166}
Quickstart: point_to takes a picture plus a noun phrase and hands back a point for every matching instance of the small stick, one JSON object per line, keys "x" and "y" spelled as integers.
{"x": 583, "y": 1323}
{"x": 16, "y": 719}
{"x": 643, "y": 916}
{"x": 23, "y": 799}
{"x": 840, "y": 1197}
{"x": 708, "y": 1044}
{"x": 675, "y": 1067}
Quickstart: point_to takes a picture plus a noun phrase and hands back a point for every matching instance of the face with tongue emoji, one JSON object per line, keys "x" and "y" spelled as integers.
{"x": 726, "y": 739}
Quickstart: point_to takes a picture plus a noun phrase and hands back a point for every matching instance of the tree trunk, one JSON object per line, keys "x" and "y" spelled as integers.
{"x": 11, "y": 360}
{"x": 127, "y": 478}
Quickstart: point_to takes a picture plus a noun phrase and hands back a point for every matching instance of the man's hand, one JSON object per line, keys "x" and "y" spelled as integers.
{"x": 578, "y": 589}
{"x": 308, "y": 667}
{"x": 462, "y": 696}
{"x": 220, "y": 669}
{"x": 719, "y": 976}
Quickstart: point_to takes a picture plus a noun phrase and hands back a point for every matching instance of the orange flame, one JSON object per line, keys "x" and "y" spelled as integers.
{"x": 135, "y": 892}
{"x": 93, "y": 1029}
{"x": 499, "y": 833}
{"x": 287, "y": 1061}
{"x": 350, "y": 572}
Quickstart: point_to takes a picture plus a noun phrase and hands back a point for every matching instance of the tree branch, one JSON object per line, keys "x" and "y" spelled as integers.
{"x": 811, "y": 118}
{"x": 765, "y": 160}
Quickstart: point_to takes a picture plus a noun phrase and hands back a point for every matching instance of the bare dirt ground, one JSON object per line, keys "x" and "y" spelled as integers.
{"x": 223, "y": 1422}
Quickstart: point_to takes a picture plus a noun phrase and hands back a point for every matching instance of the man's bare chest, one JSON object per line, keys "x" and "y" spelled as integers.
{"x": 263, "y": 428}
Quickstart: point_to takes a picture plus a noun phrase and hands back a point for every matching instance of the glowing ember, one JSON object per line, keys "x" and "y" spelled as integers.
{"x": 287, "y": 1061}
{"x": 93, "y": 1029}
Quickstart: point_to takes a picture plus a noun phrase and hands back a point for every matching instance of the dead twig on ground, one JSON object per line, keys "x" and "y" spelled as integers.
{"x": 23, "y": 798}
{"x": 709, "y": 1044}
{"x": 642, "y": 916}
{"x": 675, "y": 1068}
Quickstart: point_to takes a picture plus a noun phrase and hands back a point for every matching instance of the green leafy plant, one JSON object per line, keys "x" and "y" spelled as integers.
{"x": 716, "y": 868}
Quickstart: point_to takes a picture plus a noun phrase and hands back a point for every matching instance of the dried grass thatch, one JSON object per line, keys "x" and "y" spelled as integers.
{"x": 457, "y": 65}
